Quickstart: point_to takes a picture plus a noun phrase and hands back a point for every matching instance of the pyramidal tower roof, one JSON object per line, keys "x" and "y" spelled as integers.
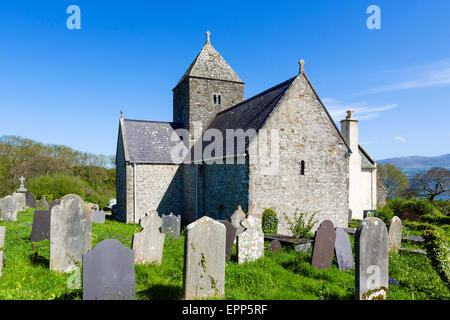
{"x": 210, "y": 64}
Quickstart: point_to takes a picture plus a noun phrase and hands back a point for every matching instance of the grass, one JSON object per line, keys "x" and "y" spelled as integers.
{"x": 283, "y": 275}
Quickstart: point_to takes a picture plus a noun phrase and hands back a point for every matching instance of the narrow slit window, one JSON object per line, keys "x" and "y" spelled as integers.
{"x": 219, "y": 98}
{"x": 302, "y": 168}
{"x": 215, "y": 99}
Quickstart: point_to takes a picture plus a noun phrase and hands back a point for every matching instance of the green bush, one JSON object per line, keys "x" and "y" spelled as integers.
{"x": 419, "y": 226}
{"x": 269, "y": 222}
{"x": 420, "y": 207}
{"x": 386, "y": 214}
{"x": 300, "y": 226}
{"x": 437, "y": 248}
{"x": 436, "y": 219}
{"x": 396, "y": 204}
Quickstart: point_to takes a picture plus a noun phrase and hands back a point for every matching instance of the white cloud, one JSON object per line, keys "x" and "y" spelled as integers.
{"x": 361, "y": 110}
{"x": 401, "y": 139}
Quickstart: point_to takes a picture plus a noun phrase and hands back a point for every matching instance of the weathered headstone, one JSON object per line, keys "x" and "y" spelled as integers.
{"x": 53, "y": 203}
{"x": 148, "y": 244}
{"x": 274, "y": 246}
{"x": 108, "y": 272}
{"x": 303, "y": 247}
{"x": 204, "y": 259}
{"x": 343, "y": 250}
{"x": 8, "y": 209}
{"x": 395, "y": 234}
{"x": 171, "y": 225}
{"x": 230, "y": 237}
{"x": 31, "y": 200}
{"x": 40, "y": 229}
{"x": 2, "y": 246}
{"x": 44, "y": 203}
{"x": 70, "y": 233}
{"x": 20, "y": 201}
{"x": 98, "y": 216}
{"x": 323, "y": 250}
{"x": 250, "y": 243}
{"x": 371, "y": 260}
{"x": 236, "y": 219}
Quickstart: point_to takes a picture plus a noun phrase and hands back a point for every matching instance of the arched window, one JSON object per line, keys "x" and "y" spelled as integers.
{"x": 302, "y": 168}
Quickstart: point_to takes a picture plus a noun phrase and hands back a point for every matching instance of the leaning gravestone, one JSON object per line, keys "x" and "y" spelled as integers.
{"x": 2, "y": 246}
{"x": 148, "y": 244}
{"x": 54, "y": 203}
{"x": 171, "y": 225}
{"x": 274, "y": 246}
{"x": 98, "y": 216}
{"x": 230, "y": 237}
{"x": 31, "y": 200}
{"x": 70, "y": 233}
{"x": 395, "y": 234}
{"x": 371, "y": 255}
{"x": 204, "y": 259}
{"x": 250, "y": 243}
{"x": 343, "y": 250}
{"x": 40, "y": 229}
{"x": 108, "y": 272}
{"x": 323, "y": 250}
{"x": 8, "y": 210}
{"x": 236, "y": 219}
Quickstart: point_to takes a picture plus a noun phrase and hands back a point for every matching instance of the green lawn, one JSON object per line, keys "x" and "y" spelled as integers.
{"x": 283, "y": 275}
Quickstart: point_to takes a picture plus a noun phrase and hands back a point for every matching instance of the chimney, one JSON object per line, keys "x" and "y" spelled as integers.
{"x": 349, "y": 130}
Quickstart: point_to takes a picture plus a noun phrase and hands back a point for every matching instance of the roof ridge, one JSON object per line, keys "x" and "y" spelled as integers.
{"x": 153, "y": 121}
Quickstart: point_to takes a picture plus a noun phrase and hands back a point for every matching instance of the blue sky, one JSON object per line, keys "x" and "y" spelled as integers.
{"x": 64, "y": 86}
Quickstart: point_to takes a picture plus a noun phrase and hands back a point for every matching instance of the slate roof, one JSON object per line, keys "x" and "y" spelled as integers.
{"x": 149, "y": 141}
{"x": 366, "y": 160}
{"x": 249, "y": 114}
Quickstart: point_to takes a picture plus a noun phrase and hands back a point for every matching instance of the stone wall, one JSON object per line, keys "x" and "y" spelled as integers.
{"x": 307, "y": 134}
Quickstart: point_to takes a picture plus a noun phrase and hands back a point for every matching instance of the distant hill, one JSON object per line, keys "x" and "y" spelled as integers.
{"x": 413, "y": 164}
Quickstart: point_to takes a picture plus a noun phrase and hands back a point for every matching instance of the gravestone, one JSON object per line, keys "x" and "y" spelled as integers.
{"x": 171, "y": 225}
{"x": 323, "y": 250}
{"x": 371, "y": 260}
{"x": 303, "y": 247}
{"x": 20, "y": 201}
{"x": 250, "y": 243}
{"x": 230, "y": 237}
{"x": 274, "y": 246}
{"x": 31, "y": 200}
{"x": 98, "y": 216}
{"x": 44, "y": 203}
{"x": 70, "y": 233}
{"x": 40, "y": 229}
{"x": 53, "y": 203}
{"x": 395, "y": 234}
{"x": 2, "y": 247}
{"x": 148, "y": 244}
{"x": 108, "y": 272}
{"x": 8, "y": 210}
{"x": 204, "y": 259}
{"x": 236, "y": 219}
{"x": 343, "y": 250}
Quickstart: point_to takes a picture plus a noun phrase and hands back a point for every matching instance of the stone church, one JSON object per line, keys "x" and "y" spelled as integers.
{"x": 319, "y": 168}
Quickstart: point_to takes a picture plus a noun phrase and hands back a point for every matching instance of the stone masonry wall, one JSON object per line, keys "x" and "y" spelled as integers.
{"x": 305, "y": 133}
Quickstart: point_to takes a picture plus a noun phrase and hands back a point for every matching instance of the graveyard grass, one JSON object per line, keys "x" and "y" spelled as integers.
{"x": 283, "y": 275}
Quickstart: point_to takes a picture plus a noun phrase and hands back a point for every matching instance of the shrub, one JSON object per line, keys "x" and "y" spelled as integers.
{"x": 437, "y": 248}
{"x": 420, "y": 207}
{"x": 419, "y": 226}
{"x": 436, "y": 219}
{"x": 56, "y": 186}
{"x": 386, "y": 214}
{"x": 300, "y": 226}
{"x": 396, "y": 204}
{"x": 269, "y": 222}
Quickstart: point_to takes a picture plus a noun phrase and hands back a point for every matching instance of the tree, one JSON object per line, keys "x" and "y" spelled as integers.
{"x": 431, "y": 184}
{"x": 392, "y": 179}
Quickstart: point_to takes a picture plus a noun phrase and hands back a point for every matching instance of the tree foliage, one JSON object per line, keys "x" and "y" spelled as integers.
{"x": 393, "y": 180}
{"x": 431, "y": 184}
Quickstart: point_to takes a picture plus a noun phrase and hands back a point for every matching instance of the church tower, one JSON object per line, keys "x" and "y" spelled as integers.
{"x": 207, "y": 87}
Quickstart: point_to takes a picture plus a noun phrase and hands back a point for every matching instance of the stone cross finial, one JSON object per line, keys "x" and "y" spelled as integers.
{"x": 302, "y": 65}
{"x": 208, "y": 34}
{"x": 121, "y": 113}
{"x": 350, "y": 113}
{"x": 22, "y": 180}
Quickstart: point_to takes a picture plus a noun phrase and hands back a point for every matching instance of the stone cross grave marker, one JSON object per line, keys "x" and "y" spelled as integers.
{"x": 250, "y": 243}
{"x": 70, "y": 233}
{"x": 204, "y": 259}
{"x": 108, "y": 272}
{"x": 323, "y": 250}
{"x": 236, "y": 218}
{"x": 31, "y": 200}
{"x": 148, "y": 244}
{"x": 343, "y": 250}
{"x": 274, "y": 246}
{"x": 40, "y": 229}
{"x": 53, "y": 203}
{"x": 2, "y": 247}
{"x": 171, "y": 225}
{"x": 98, "y": 216}
{"x": 230, "y": 237}
{"x": 8, "y": 210}
{"x": 395, "y": 234}
{"x": 371, "y": 260}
